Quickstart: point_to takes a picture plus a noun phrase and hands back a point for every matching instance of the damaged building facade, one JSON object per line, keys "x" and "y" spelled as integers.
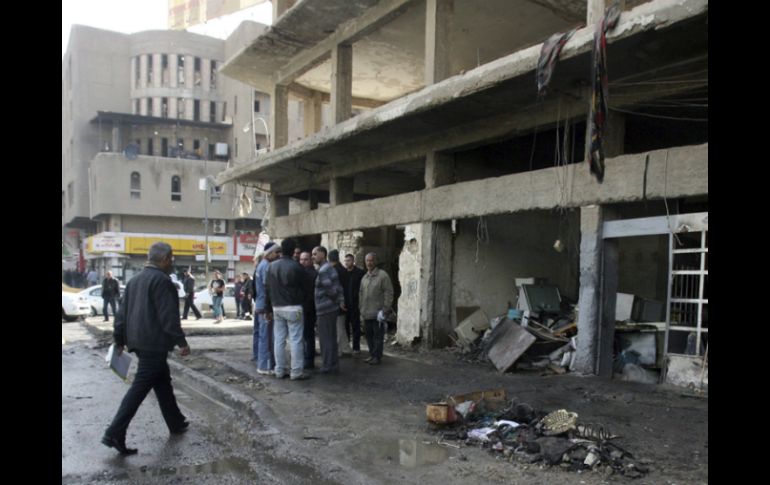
{"x": 442, "y": 157}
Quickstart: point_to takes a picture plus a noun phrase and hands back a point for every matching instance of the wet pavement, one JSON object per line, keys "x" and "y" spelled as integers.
{"x": 367, "y": 423}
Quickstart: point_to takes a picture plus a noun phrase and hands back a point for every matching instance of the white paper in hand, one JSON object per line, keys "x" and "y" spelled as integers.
{"x": 118, "y": 363}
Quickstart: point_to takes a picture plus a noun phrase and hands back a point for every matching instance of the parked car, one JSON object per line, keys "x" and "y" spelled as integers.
{"x": 93, "y": 295}
{"x": 74, "y": 306}
{"x": 203, "y": 300}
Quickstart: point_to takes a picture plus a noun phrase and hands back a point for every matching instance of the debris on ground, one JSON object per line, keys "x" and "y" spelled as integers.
{"x": 520, "y": 433}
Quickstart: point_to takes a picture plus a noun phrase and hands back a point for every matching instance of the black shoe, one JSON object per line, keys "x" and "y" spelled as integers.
{"x": 374, "y": 362}
{"x": 106, "y": 319}
{"x": 301, "y": 377}
{"x": 368, "y": 359}
{"x": 185, "y": 426}
{"x": 118, "y": 445}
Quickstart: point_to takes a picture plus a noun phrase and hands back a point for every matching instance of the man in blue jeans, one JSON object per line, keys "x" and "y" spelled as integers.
{"x": 217, "y": 288}
{"x": 262, "y": 344}
{"x": 285, "y": 285}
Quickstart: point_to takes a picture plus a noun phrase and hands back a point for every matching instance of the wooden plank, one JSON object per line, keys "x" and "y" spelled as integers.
{"x": 509, "y": 347}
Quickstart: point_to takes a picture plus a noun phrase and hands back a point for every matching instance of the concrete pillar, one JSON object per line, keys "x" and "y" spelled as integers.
{"x": 312, "y": 113}
{"x": 143, "y": 71}
{"x": 189, "y": 71}
{"x": 143, "y": 106}
{"x": 157, "y": 71}
{"x": 594, "y": 11}
{"x": 116, "y": 138}
{"x": 281, "y": 6}
{"x": 279, "y": 118}
{"x": 206, "y": 75}
{"x": 598, "y": 289}
{"x": 134, "y": 69}
{"x": 342, "y": 82}
{"x": 438, "y": 24}
{"x": 439, "y": 169}
{"x": 157, "y": 106}
{"x": 172, "y": 107}
{"x": 614, "y": 134}
{"x": 189, "y": 108}
{"x": 340, "y": 191}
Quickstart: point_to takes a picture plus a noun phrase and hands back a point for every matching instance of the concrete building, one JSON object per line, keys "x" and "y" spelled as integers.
{"x": 441, "y": 156}
{"x": 147, "y": 119}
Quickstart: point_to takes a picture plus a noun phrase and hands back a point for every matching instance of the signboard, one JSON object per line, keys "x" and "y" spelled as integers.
{"x": 107, "y": 243}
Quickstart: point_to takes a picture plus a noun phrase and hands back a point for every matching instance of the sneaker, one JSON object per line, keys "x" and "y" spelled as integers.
{"x": 282, "y": 376}
{"x": 264, "y": 372}
{"x": 356, "y": 352}
{"x": 374, "y": 362}
{"x": 301, "y": 377}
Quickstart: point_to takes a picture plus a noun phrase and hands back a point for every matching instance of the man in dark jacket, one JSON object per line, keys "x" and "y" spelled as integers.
{"x": 148, "y": 324}
{"x": 329, "y": 300}
{"x": 308, "y": 309}
{"x": 285, "y": 292}
{"x": 110, "y": 294}
{"x": 351, "y": 285}
{"x": 189, "y": 291}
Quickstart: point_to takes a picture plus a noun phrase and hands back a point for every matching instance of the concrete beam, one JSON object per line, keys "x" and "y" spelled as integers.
{"x": 349, "y": 33}
{"x": 307, "y": 93}
{"x": 674, "y": 172}
{"x": 342, "y": 82}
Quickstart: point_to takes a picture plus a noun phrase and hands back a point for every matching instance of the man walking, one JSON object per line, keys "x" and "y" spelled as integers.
{"x": 247, "y": 294}
{"x": 352, "y": 285}
{"x": 148, "y": 323}
{"x": 375, "y": 295}
{"x": 189, "y": 299}
{"x": 285, "y": 291}
{"x": 237, "y": 295}
{"x": 308, "y": 309}
{"x": 262, "y": 344}
{"x": 110, "y": 294}
{"x": 329, "y": 299}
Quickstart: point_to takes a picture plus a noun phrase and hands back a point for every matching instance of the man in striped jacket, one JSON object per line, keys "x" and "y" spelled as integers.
{"x": 329, "y": 299}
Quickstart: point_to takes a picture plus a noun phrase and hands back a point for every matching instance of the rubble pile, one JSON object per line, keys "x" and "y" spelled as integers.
{"x": 522, "y": 434}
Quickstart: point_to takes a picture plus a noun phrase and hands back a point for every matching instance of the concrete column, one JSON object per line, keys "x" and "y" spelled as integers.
{"x": 342, "y": 82}
{"x": 143, "y": 106}
{"x": 312, "y": 113}
{"x": 438, "y": 24}
{"x": 157, "y": 71}
{"x": 116, "y": 139}
{"x": 614, "y": 134}
{"x": 206, "y": 74}
{"x": 173, "y": 66}
{"x": 189, "y": 71}
{"x": 281, "y": 6}
{"x": 143, "y": 71}
{"x": 594, "y": 11}
{"x": 439, "y": 169}
{"x": 279, "y": 118}
{"x": 172, "y": 107}
{"x": 189, "y": 108}
{"x": 157, "y": 106}
{"x": 340, "y": 191}
{"x": 134, "y": 68}
{"x": 598, "y": 290}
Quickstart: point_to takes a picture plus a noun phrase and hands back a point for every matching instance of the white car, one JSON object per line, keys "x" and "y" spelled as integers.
{"x": 93, "y": 294}
{"x": 74, "y": 306}
{"x": 203, "y": 300}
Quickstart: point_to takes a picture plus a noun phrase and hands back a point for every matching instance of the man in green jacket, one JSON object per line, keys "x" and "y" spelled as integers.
{"x": 375, "y": 295}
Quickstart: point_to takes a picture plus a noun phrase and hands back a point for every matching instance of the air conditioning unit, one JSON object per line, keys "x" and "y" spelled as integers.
{"x": 219, "y": 226}
{"x": 220, "y": 149}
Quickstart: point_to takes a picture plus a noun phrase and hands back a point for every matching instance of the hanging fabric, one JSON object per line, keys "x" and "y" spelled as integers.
{"x": 549, "y": 54}
{"x": 600, "y": 94}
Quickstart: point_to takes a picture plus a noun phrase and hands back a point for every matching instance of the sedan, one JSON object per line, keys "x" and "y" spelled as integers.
{"x": 94, "y": 296}
{"x": 203, "y": 300}
{"x": 74, "y": 306}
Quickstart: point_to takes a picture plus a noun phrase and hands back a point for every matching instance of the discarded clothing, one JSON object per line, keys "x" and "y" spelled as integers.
{"x": 600, "y": 95}
{"x": 549, "y": 54}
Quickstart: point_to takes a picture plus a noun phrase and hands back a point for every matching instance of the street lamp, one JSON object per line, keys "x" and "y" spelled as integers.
{"x": 205, "y": 184}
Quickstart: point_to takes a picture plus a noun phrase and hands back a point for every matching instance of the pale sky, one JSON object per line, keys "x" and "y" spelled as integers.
{"x": 129, "y": 16}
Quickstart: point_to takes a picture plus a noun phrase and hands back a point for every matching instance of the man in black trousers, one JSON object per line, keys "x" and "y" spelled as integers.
{"x": 148, "y": 324}
{"x": 189, "y": 300}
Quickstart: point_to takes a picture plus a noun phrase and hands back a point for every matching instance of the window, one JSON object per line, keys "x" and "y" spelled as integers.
{"x": 164, "y": 147}
{"x": 197, "y": 70}
{"x": 180, "y": 70}
{"x": 137, "y": 72}
{"x": 164, "y": 69}
{"x": 224, "y": 111}
{"x": 150, "y": 147}
{"x": 197, "y": 110}
{"x": 149, "y": 106}
{"x": 180, "y": 108}
{"x": 213, "y": 75}
{"x": 213, "y": 112}
{"x": 164, "y": 107}
{"x": 176, "y": 188}
{"x": 215, "y": 192}
{"x": 136, "y": 185}
{"x": 149, "y": 70}
{"x": 256, "y": 104}
{"x": 210, "y": 154}
{"x": 236, "y": 147}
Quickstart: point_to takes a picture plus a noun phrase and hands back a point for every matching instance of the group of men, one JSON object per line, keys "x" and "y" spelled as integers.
{"x": 291, "y": 298}
{"x": 297, "y": 292}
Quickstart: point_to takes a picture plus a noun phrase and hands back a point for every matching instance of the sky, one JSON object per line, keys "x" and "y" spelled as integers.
{"x": 129, "y": 16}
